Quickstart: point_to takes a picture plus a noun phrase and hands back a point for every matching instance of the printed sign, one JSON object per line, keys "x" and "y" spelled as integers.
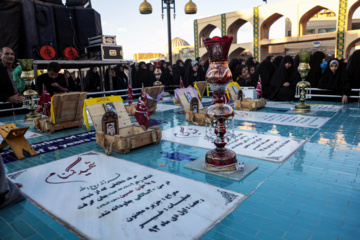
{"x": 283, "y": 119}
{"x": 101, "y": 197}
{"x": 261, "y": 146}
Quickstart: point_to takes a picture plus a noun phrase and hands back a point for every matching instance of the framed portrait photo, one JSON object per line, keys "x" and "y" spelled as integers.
{"x": 188, "y": 96}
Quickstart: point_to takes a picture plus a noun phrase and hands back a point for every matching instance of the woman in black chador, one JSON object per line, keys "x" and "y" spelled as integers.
{"x": 276, "y": 62}
{"x": 315, "y": 70}
{"x": 92, "y": 80}
{"x": 191, "y": 73}
{"x": 166, "y": 77}
{"x": 242, "y": 76}
{"x": 142, "y": 76}
{"x": 178, "y": 71}
{"x": 122, "y": 79}
{"x": 265, "y": 71}
{"x": 284, "y": 80}
{"x": 335, "y": 79}
{"x": 353, "y": 69}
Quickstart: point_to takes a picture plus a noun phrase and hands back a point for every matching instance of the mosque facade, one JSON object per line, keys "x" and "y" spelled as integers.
{"x": 311, "y": 25}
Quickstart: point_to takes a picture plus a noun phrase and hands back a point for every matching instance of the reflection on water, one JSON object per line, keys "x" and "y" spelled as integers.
{"x": 300, "y": 156}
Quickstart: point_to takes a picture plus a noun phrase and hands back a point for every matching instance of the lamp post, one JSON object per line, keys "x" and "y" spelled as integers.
{"x": 190, "y": 8}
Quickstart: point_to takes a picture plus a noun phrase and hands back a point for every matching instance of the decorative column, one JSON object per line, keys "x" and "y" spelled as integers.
{"x": 256, "y": 33}
{"x": 223, "y": 24}
{"x": 196, "y": 38}
{"x": 341, "y": 26}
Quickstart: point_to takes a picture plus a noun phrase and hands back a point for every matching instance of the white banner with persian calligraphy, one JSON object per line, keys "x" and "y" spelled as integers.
{"x": 314, "y": 107}
{"x": 265, "y": 147}
{"x": 283, "y": 119}
{"x": 103, "y": 197}
{"x": 165, "y": 107}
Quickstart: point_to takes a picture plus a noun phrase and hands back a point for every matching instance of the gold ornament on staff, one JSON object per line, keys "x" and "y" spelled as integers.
{"x": 30, "y": 96}
{"x": 303, "y": 87}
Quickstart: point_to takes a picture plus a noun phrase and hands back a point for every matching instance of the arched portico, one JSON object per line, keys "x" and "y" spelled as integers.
{"x": 205, "y": 33}
{"x": 234, "y": 28}
{"x": 306, "y": 17}
{"x": 352, "y": 9}
{"x": 265, "y": 26}
{"x": 261, "y": 18}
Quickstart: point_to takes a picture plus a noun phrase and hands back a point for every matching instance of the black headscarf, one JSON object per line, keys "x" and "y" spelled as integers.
{"x": 250, "y": 62}
{"x": 239, "y": 79}
{"x": 178, "y": 72}
{"x": 186, "y": 63}
{"x": 166, "y": 77}
{"x": 315, "y": 69}
{"x": 142, "y": 77}
{"x": 281, "y": 76}
{"x": 190, "y": 75}
{"x": 206, "y": 65}
{"x": 296, "y": 61}
{"x": 277, "y": 61}
{"x": 122, "y": 79}
{"x": 269, "y": 57}
{"x": 233, "y": 64}
{"x": 92, "y": 81}
{"x": 265, "y": 70}
{"x": 353, "y": 69}
{"x": 338, "y": 81}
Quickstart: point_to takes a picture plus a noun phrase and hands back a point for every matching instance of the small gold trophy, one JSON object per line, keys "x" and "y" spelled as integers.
{"x": 30, "y": 96}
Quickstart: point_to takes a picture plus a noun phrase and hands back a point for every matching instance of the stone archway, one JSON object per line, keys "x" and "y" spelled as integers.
{"x": 265, "y": 26}
{"x": 205, "y": 56}
{"x": 236, "y": 53}
{"x": 205, "y": 33}
{"x": 234, "y": 28}
{"x": 351, "y": 47}
{"x": 307, "y": 16}
{"x": 351, "y": 12}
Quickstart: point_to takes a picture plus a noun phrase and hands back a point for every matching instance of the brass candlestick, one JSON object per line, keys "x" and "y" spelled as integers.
{"x": 30, "y": 96}
{"x": 303, "y": 87}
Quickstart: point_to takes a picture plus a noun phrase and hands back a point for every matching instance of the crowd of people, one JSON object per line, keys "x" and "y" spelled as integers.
{"x": 278, "y": 75}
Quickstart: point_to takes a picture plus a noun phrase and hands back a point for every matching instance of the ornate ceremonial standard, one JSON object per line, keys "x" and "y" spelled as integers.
{"x": 31, "y": 96}
{"x": 218, "y": 76}
{"x": 303, "y": 87}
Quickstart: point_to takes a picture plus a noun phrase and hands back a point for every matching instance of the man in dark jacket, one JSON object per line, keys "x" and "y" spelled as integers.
{"x": 52, "y": 80}
{"x": 8, "y": 89}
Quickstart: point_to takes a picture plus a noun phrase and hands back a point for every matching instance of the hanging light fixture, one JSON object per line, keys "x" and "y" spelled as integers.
{"x": 145, "y": 8}
{"x": 190, "y": 8}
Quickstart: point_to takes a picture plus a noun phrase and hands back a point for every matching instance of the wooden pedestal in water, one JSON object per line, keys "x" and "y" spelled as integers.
{"x": 129, "y": 136}
{"x": 194, "y": 116}
{"x": 244, "y": 104}
{"x": 68, "y": 113}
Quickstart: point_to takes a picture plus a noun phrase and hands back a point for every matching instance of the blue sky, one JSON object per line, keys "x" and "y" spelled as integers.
{"x": 148, "y": 33}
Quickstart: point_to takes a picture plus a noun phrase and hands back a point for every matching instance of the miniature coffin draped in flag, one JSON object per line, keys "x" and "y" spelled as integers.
{"x": 258, "y": 87}
{"x": 130, "y": 95}
{"x": 142, "y": 112}
{"x": 44, "y": 103}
